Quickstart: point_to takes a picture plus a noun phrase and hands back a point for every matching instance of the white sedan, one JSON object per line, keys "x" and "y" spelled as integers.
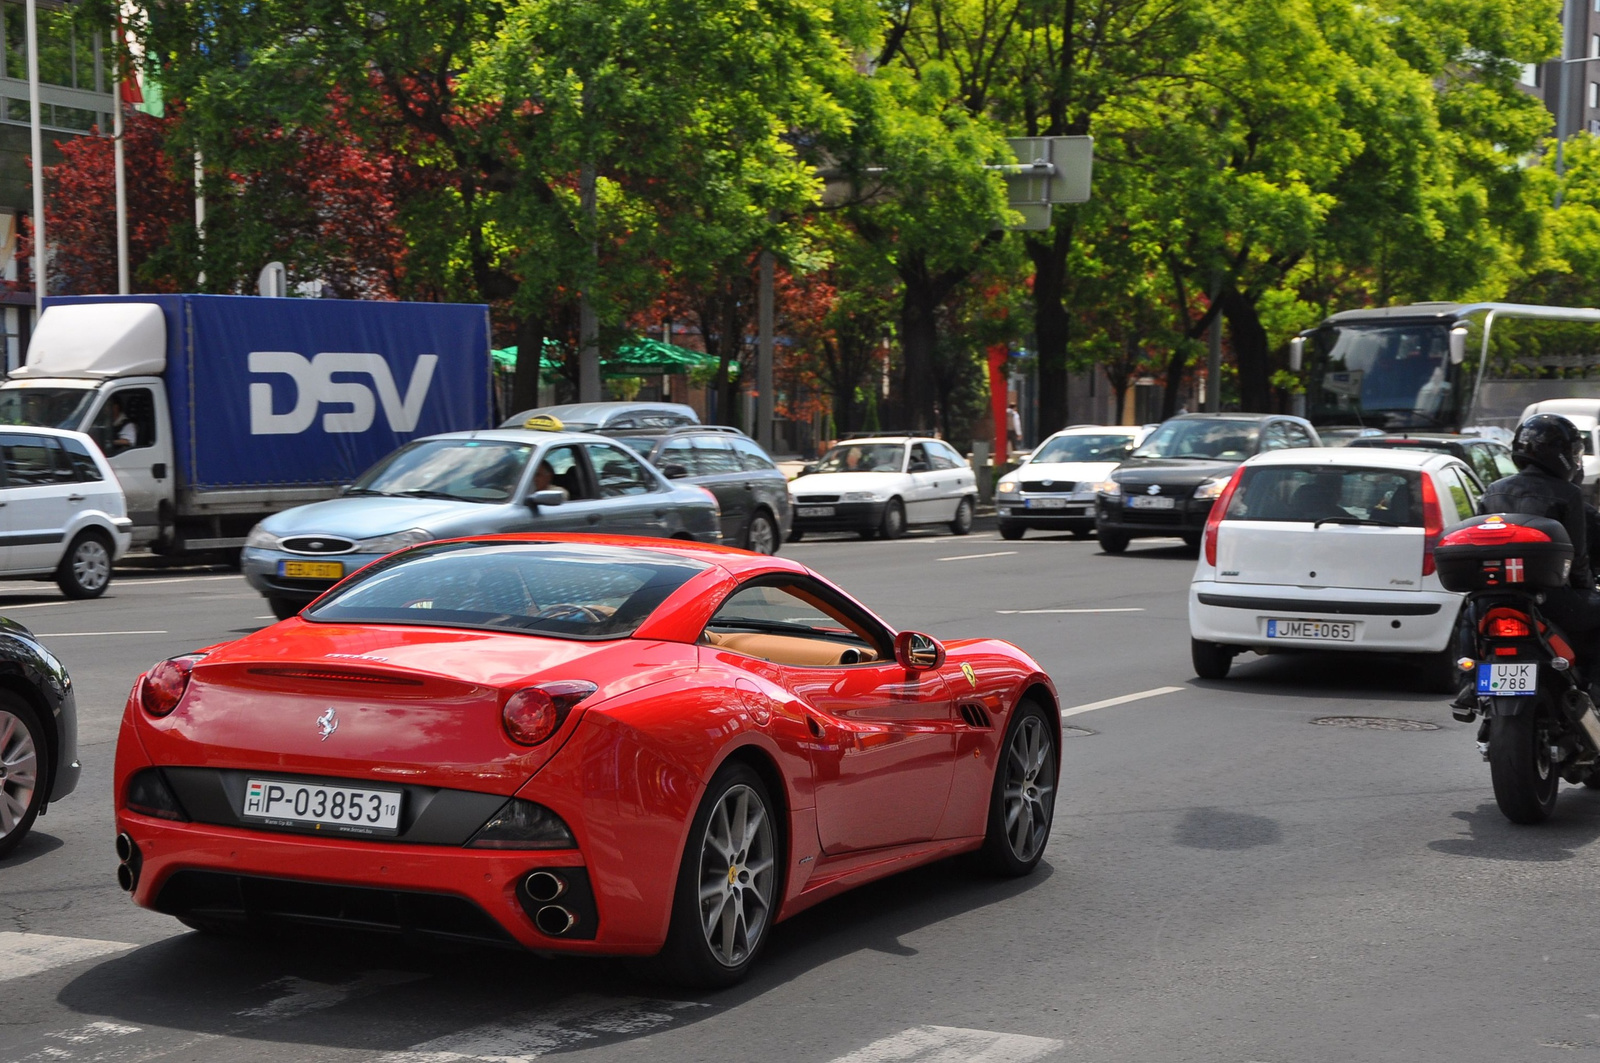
{"x": 1331, "y": 549}
{"x": 880, "y": 486}
{"x": 1054, "y": 489}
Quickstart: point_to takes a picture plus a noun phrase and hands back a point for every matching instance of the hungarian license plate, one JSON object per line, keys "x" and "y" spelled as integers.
{"x": 1320, "y": 630}
{"x": 816, "y": 511}
{"x": 1045, "y": 503}
{"x": 1152, "y": 502}
{"x": 311, "y": 569}
{"x": 338, "y": 809}
{"x": 1508, "y": 680}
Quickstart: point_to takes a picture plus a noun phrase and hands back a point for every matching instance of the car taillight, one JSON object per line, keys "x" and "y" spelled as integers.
{"x": 163, "y": 685}
{"x": 1508, "y": 626}
{"x": 532, "y": 715}
{"x": 1432, "y": 523}
{"x": 1219, "y": 509}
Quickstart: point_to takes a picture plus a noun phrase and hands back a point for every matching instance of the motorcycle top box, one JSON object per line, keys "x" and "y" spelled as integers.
{"x": 1504, "y": 551}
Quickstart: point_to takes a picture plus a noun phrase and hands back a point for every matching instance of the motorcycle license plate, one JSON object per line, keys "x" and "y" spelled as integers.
{"x": 1508, "y": 680}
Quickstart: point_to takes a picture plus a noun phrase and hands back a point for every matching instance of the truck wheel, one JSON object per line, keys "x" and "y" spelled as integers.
{"x": 85, "y": 569}
{"x": 284, "y": 608}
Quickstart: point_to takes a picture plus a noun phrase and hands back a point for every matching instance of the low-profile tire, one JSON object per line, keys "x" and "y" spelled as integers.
{"x": 24, "y": 770}
{"x": 1113, "y": 542}
{"x": 284, "y": 608}
{"x": 1525, "y": 782}
{"x": 1013, "y": 532}
{"x": 1211, "y": 659}
{"x": 85, "y": 569}
{"x": 963, "y": 522}
{"x": 796, "y": 533}
{"x": 729, "y": 884}
{"x": 761, "y": 534}
{"x": 893, "y": 524}
{"x": 1022, "y": 799}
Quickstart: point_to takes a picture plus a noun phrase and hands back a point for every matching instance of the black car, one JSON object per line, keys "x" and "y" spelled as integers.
{"x": 38, "y": 733}
{"x": 1491, "y": 460}
{"x": 751, "y": 490}
{"x": 1166, "y": 487}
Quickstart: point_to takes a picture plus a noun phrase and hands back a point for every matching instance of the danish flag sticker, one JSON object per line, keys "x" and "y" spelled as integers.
{"x": 1513, "y": 570}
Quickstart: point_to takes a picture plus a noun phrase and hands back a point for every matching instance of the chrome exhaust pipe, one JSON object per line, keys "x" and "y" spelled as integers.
{"x": 125, "y": 847}
{"x": 544, "y": 886}
{"x": 126, "y": 878}
{"x": 554, "y": 920}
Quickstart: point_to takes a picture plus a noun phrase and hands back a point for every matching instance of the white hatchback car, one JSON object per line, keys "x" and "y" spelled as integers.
{"x": 879, "y": 486}
{"x": 62, "y": 511}
{"x": 1054, "y": 489}
{"x": 1331, "y": 549}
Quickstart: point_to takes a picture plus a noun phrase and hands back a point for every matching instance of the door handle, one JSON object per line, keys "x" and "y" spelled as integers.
{"x": 749, "y": 487}
{"x": 594, "y": 518}
{"x": 74, "y": 498}
{"x": 159, "y": 470}
{"x": 661, "y": 512}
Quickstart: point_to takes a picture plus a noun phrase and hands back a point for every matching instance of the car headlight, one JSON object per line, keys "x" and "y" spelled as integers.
{"x": 1108, "y": 487}
{"x": 388, "y": 544}
{"x": 261, "y": 539}
{"x": 1210, "y": 489}
{"x": 1008, "y": 487}
{"x": 860, "y": 496}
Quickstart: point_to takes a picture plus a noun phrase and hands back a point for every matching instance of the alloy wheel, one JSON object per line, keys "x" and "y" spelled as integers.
{"x": 763, "y": 537}
{"x": 1029, "y": 785}
{"x": 91, "y": 565}
{"x": 737, "y": 872}
{"x": 19, "y": 772}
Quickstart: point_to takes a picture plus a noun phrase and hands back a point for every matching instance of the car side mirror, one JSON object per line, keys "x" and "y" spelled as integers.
{"x": 919, "y": 466}
{"x": 550, "y": 496}
{"x": 917, "y": 652}
{"x": 674, "y": 471}
{"x": 809, "y": 469}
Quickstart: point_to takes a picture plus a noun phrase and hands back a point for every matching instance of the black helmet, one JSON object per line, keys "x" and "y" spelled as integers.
{"x": 1551, "y": 443}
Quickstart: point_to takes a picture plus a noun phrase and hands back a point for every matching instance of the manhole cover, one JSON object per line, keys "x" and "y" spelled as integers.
{"x": 1076, "y": 732}
{"x": 1375, "y": 723}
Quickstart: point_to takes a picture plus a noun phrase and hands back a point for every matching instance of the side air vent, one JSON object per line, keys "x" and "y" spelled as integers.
{"x": 976, "y": 716}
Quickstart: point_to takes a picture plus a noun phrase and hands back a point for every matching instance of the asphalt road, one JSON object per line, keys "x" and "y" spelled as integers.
{"x": 1227, "y": 880}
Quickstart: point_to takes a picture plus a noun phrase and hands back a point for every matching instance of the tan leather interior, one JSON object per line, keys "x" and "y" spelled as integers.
{"x": 790, "y": 649}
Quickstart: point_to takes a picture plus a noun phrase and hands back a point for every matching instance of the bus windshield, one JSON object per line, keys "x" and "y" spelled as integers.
{"x": 1390, "y": 376}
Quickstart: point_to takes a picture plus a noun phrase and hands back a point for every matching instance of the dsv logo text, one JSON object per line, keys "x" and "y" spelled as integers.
{"x": 314, "y": 386}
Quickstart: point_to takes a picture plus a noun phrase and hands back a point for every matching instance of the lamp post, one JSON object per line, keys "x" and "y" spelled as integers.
{"x": 36, "y": 145}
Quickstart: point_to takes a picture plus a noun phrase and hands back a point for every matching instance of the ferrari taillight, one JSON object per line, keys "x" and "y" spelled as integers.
{"x": 532, "y": 714}
{"x": 163, "y": 685}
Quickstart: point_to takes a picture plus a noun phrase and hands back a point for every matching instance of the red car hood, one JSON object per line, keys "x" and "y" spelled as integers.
{"x": 410, "y": 704}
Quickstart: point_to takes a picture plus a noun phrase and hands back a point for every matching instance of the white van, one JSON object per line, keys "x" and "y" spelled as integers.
{"x": 62, "y": 511}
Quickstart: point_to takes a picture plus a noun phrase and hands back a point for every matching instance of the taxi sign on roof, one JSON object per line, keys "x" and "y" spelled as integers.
{"x": 543, "y": 422}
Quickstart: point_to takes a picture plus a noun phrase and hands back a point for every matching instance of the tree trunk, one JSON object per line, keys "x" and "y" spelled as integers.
{"x": 1051, "y": 323}
{"x": 1251, "y": 351}
{"x": 525, "y": 382}
{"x": 919, "y": 335}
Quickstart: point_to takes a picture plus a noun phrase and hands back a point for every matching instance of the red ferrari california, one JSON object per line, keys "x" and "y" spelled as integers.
{"x": 581, "y": 744}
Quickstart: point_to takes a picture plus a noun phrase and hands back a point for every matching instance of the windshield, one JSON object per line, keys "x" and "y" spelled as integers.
{"x": 1228, "y": 440}
{"x": 45, "y": 407}
{"x": 863, "y": 457}
{"x": 472, "y": 470}
{"x": 558, "y": 589}
{"x": 1084, "y": 448}
{"x": 1326, "y": 493}
{"x": 1382, "y": 376}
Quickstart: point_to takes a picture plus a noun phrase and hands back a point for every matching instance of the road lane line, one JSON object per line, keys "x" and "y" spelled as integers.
{"x": 135, "y": 581}
{"x": 1154, "y": 692}
{"x": 29, "y": 954}
{"x": 561, "y": 1028}
{"x": 85, "y": 634}
{"x": 952, "y": 1044}
{"x": 974, "y": 557}
{"x": 1033, "y": 612}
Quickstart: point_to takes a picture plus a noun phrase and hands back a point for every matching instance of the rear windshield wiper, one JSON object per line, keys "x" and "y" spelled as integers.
{"x": 1357, "y": 520}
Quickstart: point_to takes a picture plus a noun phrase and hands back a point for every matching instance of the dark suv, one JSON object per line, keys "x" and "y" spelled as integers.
{"x": 752, "y": 492}
{"x": 1488, "y": 458}
{"x": 1166, "y": 487}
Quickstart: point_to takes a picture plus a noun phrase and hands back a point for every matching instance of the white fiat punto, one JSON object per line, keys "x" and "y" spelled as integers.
{"x": 62, "y": 512}
{"x": 1331, "y": 549}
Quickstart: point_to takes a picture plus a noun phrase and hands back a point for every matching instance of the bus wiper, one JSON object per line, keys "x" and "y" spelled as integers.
{"x": 1357, "y": 520}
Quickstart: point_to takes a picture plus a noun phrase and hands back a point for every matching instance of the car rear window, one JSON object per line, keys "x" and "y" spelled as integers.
{"x": 563, "y": 590}
{"x": 1321, "y": 492}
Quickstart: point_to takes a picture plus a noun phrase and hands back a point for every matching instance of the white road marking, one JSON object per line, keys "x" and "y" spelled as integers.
{"x": 952, "y": 1044}
{"x": 973, "y": 557}
{"x": 538, "y": 1033}
{"x": 303, "y": 995}
{"x": 1032, "y": 612}
{"x": 134, "y": 581}
{"x": 86, "y": 634}
{"x": 29, "y": 954}
{"x": 1154, "y": 692}
{"x": 95, "y": 1031}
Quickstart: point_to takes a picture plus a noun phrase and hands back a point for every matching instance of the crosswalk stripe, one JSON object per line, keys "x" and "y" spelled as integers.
{"x": 538, "y": 1033}
{"x": 952, "y": 1044}
{"x": 28, "y": 954}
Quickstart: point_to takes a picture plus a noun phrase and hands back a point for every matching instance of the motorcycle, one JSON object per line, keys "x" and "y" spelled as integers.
{"x": 1537, "y": 721}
